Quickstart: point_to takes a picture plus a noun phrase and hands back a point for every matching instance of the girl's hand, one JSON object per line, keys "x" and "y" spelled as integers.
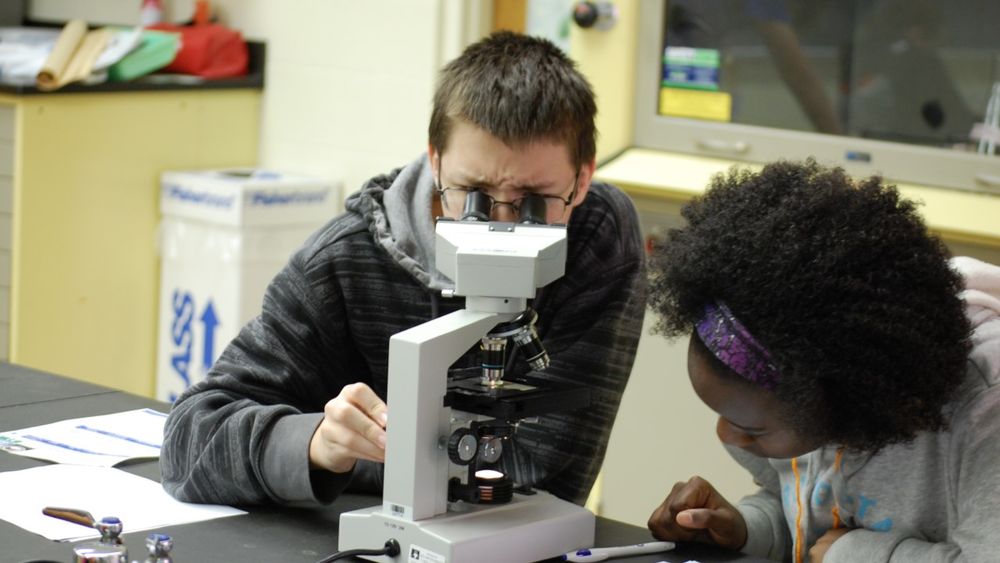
{"x": 695, "y": 511}
{"x": 822, "y": 545}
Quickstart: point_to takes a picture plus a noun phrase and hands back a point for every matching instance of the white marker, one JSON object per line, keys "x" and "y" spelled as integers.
{"x": 602, "y": 553}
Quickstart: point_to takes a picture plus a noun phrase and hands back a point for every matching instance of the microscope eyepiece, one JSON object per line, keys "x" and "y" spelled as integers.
{"x": 532, "y": 210}
{"x": 477, "y": 207}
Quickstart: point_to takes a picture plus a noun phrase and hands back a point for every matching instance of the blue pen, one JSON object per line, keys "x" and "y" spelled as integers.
{"x": 602, "y": 553}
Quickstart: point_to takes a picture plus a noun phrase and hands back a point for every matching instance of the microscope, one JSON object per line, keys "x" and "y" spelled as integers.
{"x": 445, "y": 499}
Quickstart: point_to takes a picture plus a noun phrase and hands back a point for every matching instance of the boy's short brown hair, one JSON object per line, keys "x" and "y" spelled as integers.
{"x": 519, "y": 89}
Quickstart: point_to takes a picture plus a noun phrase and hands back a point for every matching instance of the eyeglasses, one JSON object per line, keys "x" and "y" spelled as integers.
{"x": 453, "y": 199}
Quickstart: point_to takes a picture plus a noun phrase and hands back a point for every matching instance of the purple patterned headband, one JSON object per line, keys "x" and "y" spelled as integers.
{"x": 735, "y": 347}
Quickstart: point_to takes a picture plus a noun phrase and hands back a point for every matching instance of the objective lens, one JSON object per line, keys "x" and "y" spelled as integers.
{"x": 493, "y": 359}
{"x": 522, "y": 331}
{"x": 532, "y": 348}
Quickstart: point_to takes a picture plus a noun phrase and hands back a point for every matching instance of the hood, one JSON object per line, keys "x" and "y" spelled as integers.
{"x": 982, "y": 306}
{"x": 397, "y": 209}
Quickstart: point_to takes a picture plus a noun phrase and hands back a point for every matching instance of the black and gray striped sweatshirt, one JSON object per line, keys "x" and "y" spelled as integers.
{"x": 242, "y": 435}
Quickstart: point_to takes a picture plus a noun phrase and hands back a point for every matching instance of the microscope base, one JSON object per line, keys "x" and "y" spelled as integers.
{"x": 528, "y": 528}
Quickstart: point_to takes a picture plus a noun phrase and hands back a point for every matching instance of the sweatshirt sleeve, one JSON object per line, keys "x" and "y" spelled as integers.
{"x": 242, "y": 435}
{"x": 767, "y": 529}
{"x": 974, "y": 518}
{"x": 591, "y": 331}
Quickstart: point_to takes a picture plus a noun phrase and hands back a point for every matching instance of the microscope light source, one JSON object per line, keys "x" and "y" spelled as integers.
{"x": 489, "y": 474}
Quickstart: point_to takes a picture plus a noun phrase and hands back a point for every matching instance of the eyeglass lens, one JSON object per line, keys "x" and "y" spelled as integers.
{"x": 455, "y": 199}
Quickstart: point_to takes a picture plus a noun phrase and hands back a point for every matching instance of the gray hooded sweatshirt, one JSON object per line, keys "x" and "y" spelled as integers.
{"x": 242, "y": 435}
{"x": 934, "y": 499}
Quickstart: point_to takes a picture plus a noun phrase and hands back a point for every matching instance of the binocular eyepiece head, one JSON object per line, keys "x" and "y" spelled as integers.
{"x": 479, "y": 207}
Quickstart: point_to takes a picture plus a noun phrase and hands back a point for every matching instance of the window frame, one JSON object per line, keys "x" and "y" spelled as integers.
{"x": 898, "y": 162}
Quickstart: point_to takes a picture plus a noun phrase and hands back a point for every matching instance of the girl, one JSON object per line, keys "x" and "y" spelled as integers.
{"x": 853, "y": 366}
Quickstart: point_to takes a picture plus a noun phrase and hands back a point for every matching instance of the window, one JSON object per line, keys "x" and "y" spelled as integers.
{"x": 897, "y": 87}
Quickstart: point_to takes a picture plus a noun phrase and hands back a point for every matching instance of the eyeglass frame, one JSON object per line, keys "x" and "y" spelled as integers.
{"x": 567, "y": 202}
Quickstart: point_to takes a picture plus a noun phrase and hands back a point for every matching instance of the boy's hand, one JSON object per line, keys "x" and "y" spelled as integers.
{"x": 818, "y": 551}
{"x": 353, "y": 428}
{"x": 695, "y": 511}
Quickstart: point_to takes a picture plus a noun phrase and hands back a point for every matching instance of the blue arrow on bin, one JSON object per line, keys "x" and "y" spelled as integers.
{"x": 210, "y": 321}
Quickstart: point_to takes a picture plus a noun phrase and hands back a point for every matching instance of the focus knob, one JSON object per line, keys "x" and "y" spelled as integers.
{"x": 490, "y": 449}
{"x": 462, "y": 446}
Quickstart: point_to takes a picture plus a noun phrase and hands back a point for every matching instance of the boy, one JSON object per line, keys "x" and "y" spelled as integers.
{"x": 294, "y": 410}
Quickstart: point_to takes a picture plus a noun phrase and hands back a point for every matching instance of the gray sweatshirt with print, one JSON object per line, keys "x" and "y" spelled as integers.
{"x": 242, "y": 435}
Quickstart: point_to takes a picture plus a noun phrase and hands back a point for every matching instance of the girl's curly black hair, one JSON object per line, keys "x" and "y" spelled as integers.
{"x": 840, "y": 281}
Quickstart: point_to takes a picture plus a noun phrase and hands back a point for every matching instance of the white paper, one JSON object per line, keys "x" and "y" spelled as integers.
{"x": 23, "y": 51}
{"x": 103, "y": 440}
{"x": 122, "y": 42}
{"x": 140, "y": 503}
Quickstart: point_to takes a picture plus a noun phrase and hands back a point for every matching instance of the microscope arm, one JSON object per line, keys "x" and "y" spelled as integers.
{"x": 416, "y": 472}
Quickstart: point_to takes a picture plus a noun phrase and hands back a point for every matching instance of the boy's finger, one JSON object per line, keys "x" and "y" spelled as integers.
{"x": 357, "y": 422}
{"x": 369, "y": 402}
{"x": 379, "y": 413}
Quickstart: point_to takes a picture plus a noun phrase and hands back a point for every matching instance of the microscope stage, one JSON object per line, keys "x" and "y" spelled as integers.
{"x": 516, "y": 399}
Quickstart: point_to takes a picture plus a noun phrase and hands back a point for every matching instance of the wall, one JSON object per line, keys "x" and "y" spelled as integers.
{"x": 663, "y": 432}
{"x": 348, "y": 84}
{"x": 607, "y": 59}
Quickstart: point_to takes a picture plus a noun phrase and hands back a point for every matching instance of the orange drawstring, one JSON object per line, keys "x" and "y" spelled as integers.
{"x": 798, "y": 502}
{"x": 836, "y": 505}
{"x": 798, "y": 515}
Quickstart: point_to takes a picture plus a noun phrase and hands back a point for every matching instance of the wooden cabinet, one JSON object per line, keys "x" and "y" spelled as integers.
{"x": 79, "y": 209}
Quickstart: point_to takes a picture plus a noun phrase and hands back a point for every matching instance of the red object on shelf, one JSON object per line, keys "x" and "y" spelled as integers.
{"x": 209, "y": 51}
{"x": 202, "y": 12}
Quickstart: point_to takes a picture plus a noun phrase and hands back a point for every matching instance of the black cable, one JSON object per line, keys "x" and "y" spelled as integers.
{"x": 391, "y": 549}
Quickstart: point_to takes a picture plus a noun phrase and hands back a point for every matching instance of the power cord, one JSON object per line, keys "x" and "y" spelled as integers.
{"x": 391, "y": 549}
